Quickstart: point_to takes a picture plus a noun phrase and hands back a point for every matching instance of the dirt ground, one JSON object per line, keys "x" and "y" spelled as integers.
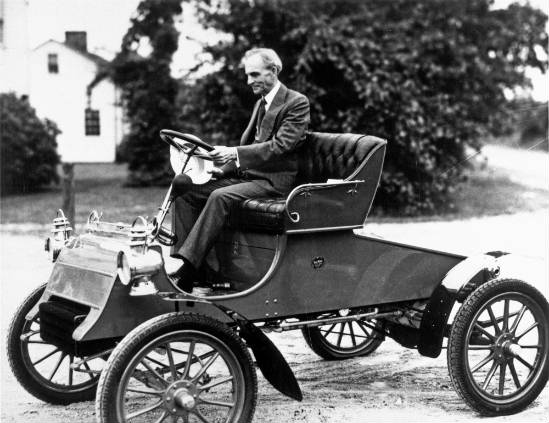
{"x": 393, "y": 384}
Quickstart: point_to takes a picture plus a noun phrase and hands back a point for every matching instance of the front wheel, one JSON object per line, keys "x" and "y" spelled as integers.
{"x": 178, "y": 367}
{"x": 498, "y": 347}
{"x": 43, "y": 369}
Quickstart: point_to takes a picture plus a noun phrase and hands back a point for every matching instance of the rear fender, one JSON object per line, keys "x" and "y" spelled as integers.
{"x": 458, "y": 283}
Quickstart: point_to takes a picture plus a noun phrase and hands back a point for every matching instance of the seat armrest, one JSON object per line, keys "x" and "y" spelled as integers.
{"x": 322, "y": 192}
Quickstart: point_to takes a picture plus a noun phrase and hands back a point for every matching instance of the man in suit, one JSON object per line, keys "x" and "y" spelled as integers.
{"x": 263, "y": 165}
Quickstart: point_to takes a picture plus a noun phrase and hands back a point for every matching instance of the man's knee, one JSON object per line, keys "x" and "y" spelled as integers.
{"x": 221, "y": 197}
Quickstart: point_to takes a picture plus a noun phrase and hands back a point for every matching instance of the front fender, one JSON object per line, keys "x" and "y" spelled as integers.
{"x": 458, "y": 283}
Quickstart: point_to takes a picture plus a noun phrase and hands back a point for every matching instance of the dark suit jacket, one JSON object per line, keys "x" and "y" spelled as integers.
{"x": 274, "y": 156}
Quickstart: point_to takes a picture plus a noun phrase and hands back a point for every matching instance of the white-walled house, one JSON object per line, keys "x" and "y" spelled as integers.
{"x": 65, "y": 89}
{"x": 60, "y": 81}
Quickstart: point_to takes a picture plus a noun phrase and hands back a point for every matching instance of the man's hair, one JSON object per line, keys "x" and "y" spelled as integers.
{"x": 269, "y": 56}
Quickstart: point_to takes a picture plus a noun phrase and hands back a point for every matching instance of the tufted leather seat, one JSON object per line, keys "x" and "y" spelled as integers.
{"x": 323, "y": 156}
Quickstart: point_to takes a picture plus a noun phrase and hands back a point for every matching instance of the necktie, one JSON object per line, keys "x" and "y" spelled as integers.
{"x": 260, "y": 116}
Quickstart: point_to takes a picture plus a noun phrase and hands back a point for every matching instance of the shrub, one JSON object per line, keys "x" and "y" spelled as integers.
{"x": 28, "y": 147}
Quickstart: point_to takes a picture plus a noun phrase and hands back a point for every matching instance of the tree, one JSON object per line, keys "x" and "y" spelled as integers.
{"x": 428, "y": 76}
{"x": 148, "y": 90}
{"x": 28, "y": 147}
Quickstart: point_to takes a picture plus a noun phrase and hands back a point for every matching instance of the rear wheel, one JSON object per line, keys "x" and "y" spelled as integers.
{"x": 339, "y": 341}
{"x": 498, "y": 347}
{"x": 178, "y": 367}
{"x": 42, "y": 368}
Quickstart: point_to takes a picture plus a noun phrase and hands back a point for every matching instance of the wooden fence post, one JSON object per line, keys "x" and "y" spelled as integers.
{"x": 68, "y": 193}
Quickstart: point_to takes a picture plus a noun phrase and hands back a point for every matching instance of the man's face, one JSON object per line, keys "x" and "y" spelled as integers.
{"x": 260, "y": 77}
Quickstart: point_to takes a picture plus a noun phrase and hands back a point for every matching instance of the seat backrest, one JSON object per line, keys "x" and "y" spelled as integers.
{"x": 333, "y": 156}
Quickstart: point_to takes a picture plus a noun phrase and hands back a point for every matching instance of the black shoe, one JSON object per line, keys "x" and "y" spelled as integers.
{"x": 184, "y": 277}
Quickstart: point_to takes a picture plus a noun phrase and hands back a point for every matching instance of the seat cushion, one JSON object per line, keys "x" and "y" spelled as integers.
{"x": 259, "y": 214}
{"x": 323, "y": 156}
{"x": 333, "y": 156}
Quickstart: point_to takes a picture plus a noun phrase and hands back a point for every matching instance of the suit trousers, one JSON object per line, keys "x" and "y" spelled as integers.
{"x": 200, "y": 214}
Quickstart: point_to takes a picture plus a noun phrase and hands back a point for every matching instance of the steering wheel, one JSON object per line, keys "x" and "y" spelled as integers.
{"x": 173, "y": 138}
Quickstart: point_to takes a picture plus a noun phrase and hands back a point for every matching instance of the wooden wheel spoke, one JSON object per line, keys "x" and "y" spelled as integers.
{"x": 480, "y": 347}
{"x": 505, "y": 325}
{"x": 144, "y": 410}
{"x": 189, "y": 359}
{"x": 158, "y": 363}
{"x": 216, "y": 383}
{"x": 200, "y": 416}
{"x": 532, "y": 326}
{"x": 523, "y": 361}
{"x": 482, "y": 363}
{"x": 490, "y": 375}
{"x": 145, "y": 391}
{"x": 488, "y": 323}
{"x": 353, "y": 339}
{"x": 493, "y": 319}
{"x": 340, "y": 337}
{"x": 355, "y": 335}
{"x": 484, "y": 332}
{"x": 330, "y": 330}
{"x": 514, "y": 374}
{"x": 502, "y": 369}
{"x": 364, "y": 326}
{"x": 34, "y": 363}
{"x": 218, "y": 403}
{"x": 173, "y": 370}
{"x": 517, "y": 320}
{"x": 89, "y": 370}
{"x": 71, "y": 371}
{"x": 154, "y": 372}
{"x": 206, "y": 366}
{"x": 537, "y": 347}
{"x": 177, "y": 350}
{"x": 162, "y": 417}
{"x": 57, "y": 365}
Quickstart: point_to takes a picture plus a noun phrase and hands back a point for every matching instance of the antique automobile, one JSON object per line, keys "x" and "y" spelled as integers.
{"x": 110, "y": 324}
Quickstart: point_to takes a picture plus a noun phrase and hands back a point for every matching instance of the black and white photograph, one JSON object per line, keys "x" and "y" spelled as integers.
{"x": 237, "y": 211}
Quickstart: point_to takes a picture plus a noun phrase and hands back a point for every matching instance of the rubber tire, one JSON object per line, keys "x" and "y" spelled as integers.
{"x": 314, "y": 339}
{"x": 456, "y": 364}
{"x": 20, "y": 371}
{"x": 105, "y": 402}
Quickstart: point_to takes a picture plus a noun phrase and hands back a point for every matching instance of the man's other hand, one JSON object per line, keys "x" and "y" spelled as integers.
{"x": 222, "y": 154}
{"x": 216, "y": 172}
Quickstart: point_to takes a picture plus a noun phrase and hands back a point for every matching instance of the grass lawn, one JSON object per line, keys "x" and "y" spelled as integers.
{"x": 100, "y": 187}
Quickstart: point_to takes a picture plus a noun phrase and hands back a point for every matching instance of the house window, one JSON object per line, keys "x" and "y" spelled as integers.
{"x": 53, "y": 63}
{"x": 92, "y": 122}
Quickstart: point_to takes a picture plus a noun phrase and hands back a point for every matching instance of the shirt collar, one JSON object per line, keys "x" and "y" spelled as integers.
{"x": 271, "y": 95}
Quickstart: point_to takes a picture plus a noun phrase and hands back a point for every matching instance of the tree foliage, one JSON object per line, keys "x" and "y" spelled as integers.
{"x": 428, "y": 76}
{"x": 28, "y": 147}
{"x": 148, "y": 89}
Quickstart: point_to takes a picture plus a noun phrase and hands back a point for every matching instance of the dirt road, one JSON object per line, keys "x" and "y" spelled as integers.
{"x": 393, "y": 384}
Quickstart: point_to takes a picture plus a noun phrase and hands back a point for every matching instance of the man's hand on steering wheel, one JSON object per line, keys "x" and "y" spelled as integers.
{"x": 222, "y": 155}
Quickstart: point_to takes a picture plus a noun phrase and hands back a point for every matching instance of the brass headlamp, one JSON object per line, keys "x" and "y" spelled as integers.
{"x": 61, "y": 233}
{"x": 138, "y": 263}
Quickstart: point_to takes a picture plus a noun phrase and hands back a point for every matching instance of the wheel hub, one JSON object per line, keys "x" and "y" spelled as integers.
{"x": 505, "y": 349}
{"x": 181, "y": 397}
